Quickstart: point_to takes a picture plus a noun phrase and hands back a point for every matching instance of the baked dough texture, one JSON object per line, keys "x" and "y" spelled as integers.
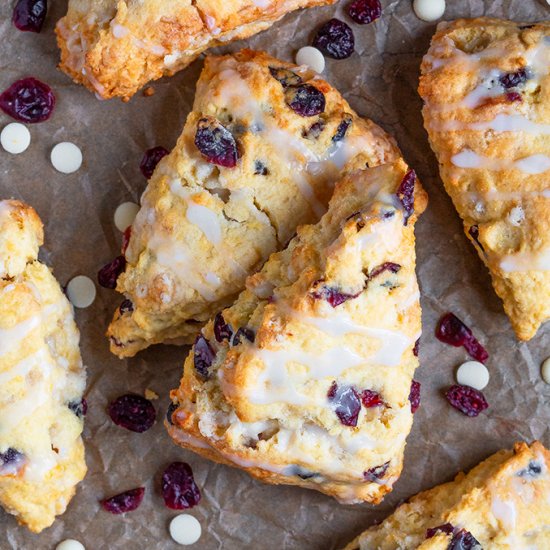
{"x": 114, "y": 47}
{"x": 504, "y": 503}
{"x": 203, "y": 228}
{"x": 41, "y": 378}
{"x": 305, "y": 379}
{"x": 486, "y": 90}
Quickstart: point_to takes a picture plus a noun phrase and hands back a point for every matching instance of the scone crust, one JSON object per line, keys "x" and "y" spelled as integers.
{"x": 492, "y": 142}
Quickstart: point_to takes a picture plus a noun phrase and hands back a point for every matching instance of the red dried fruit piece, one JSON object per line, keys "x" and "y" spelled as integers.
{"x": 126, "y": 239}
{"x": 28, "y": 100}
{"x": 11, "y": 462}
{"x": 222, "y": 331}
{"x": 386, "y": 266}
{"x": 107, "y": 276}
{"x": 331, "y": 295}
{"x": 124, "y": 502}
{"x": 203, "y": 356}
{"x": 133, "y": 412}
{"x": 80, "y": 408}
{"x": 179, "y": 489}
{"x": 126, "y": 307}
{"x": 342, "y": 128}
{"x": 365, "y": 11}
{"x": 305, "y": 100}
{"x": 216, "y": 143}
{"x": 474, "y": 233}
{"x": 515, "y": 79}
{"x": 467, "y": 400}
{"x": 405, "y": 194}
{"x": 446, "y": 528}
{"x": 377, "y": 473}
{"x": 335, "y": 39}
{"x": 451, "y": 330}
{"x": 345, "y": 402}
{"x": 150, "y": 159}
{"x": 416, "y": 348}
{"x": 29, "y": 15}
{"x": 170, "y": 411}
{"x": 285, "y": 77}
{"x": 414, "y": 396}
{"x": 243, "y": 332}
{"x": 533, "y": 470}
{"x": 464, "y": 540}
{"x": 314, "y": 131}
{"x": 513, "y": 96}
{"x": 370, "y": 398}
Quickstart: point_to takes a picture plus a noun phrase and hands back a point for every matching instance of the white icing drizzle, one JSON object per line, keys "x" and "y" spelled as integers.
{"x": 534, "y": 164}
{"x": 11, "y": 338}
{"x": 505, "y": 512}
{"x": 526, "y": 261}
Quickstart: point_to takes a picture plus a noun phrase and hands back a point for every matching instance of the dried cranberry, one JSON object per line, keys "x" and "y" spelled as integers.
{"x": 513, "y": 97}
{"x": 124, "y": 502}
{"x": 245, "y": 332}
{"x": 474, "y": 233}
{"x": 10, "y": 462}
{"x": 331, "y": 295}
{"x": 133, "y": 412}
{"x": 150, "y": 159}
{"x": 29, "y": 15}
{"x": 464, "y": 540}
{"x": 416, "y": 348}
{"x": 386, "y": 266}
{"x": 451, "y": 330}
{"x": 446, "y": 528}
{"x": 335, "y": 39}
{"x": 171, "y": 409}
{"x": 365, "y": 11}
{"x": 203, "y": 356}
{"x": 405, "y": 193}
{"x": 370, "y": 398}
{"x": 346, "y": 403}
{"x": 314, "y": 131}
{"x": 126, "y": 307}
{"x": 513, "y": 80}
{"x": 305, "y": 100}
{"x": 179, "y": 488}
{"x": 80, "y": 408}
{"x": 28, "y": 100}
{"x": 533, "y": 470}
{"x": 467, "y": 400}
{"x": 414, "y": 396}
{"x": 107, "y": 276}
{"x": 285, "y": 77}
{"x": 342, "y": 129}
{"x": 377, "y": 473}
{"x": 126, "y": 239}
{"x": 216, "y": 143}
{"x": 260, "y": 169}
{"x": 222, "y": 331}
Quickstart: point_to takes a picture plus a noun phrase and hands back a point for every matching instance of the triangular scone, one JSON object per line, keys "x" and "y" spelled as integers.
{"x": 486, "y": 90}
{"x": 503, "y": 503}
{"x": 41, "y": 379}
{"x": 204, "y": 227}
{"x": 114, "y": 47}
{"x": 306, "y": 379}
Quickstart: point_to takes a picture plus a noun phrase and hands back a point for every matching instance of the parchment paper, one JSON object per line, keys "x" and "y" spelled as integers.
{"x": 236, "y": 512}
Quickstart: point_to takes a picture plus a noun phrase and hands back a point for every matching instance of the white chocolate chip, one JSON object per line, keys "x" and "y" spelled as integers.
{"x": 429, "y": 10}
{"x": 516, "y": 215}
{"x": 66, "y": 157}
{"x": 185, "y": 529}
{"x": 70, "y": 544}
{"x": 545, "y": 369}
{"x": 312, "y": 57}
{"x": 473, "y": 374}
{"x": 81, "y": 291}
{"x": 125, "y": 214}
{"x": 15, "y": 138}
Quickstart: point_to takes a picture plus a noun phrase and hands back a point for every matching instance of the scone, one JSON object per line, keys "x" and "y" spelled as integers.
{"x": 114, "y": 47}
{"x": 503, "y": 503}
{"x": 41, "y": 379}
{"x": 306, "y": 378}
{"x": 258, "y": 156}
{"x": 486, "y": 90}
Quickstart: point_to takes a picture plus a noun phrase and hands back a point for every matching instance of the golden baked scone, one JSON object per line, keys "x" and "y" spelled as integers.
{"x": 114, "y": 47}
{"x": 486, "y": 90}
{"x": 248, "y": 168}
{"x": 502, "y": 504}
{"x": 306, "y": 378}
{"x": 41, "y": 378}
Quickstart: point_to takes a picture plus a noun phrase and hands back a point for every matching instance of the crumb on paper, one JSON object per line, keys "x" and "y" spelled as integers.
{"x": 151, "y": 395}
{"x": 149, "y": 91}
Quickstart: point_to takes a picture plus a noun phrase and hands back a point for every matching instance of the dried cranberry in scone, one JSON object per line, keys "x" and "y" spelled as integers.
{"x": 216, "y": 143}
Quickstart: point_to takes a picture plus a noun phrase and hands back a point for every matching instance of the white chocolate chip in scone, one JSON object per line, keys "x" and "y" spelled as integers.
{"x": 312, "y": 57}
{"x": 473, "y": 374}
{"x": 185, "y": 529}
{"x": 66, "y": 157}
{"x": 81, "y": 291}
{"x": 70, "y": 544}
{"x": 15, "y": 138}
{"x": 125, "y": 214}
{"x": 545, "y": 369}
{"x": 429, "y": 10}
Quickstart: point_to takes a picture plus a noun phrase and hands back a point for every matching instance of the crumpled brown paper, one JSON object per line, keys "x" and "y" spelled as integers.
{"x": 236, "y": 512}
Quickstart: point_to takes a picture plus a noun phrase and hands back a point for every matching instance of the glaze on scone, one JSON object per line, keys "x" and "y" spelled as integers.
{"x": 305, "y": 379}
{"x": 486, "y": 90}
{"x": 503, "y": 503}
{"x": 203, "y": 228}
{"x": 114, "y": 47}
{"x": 41, "y": 378}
